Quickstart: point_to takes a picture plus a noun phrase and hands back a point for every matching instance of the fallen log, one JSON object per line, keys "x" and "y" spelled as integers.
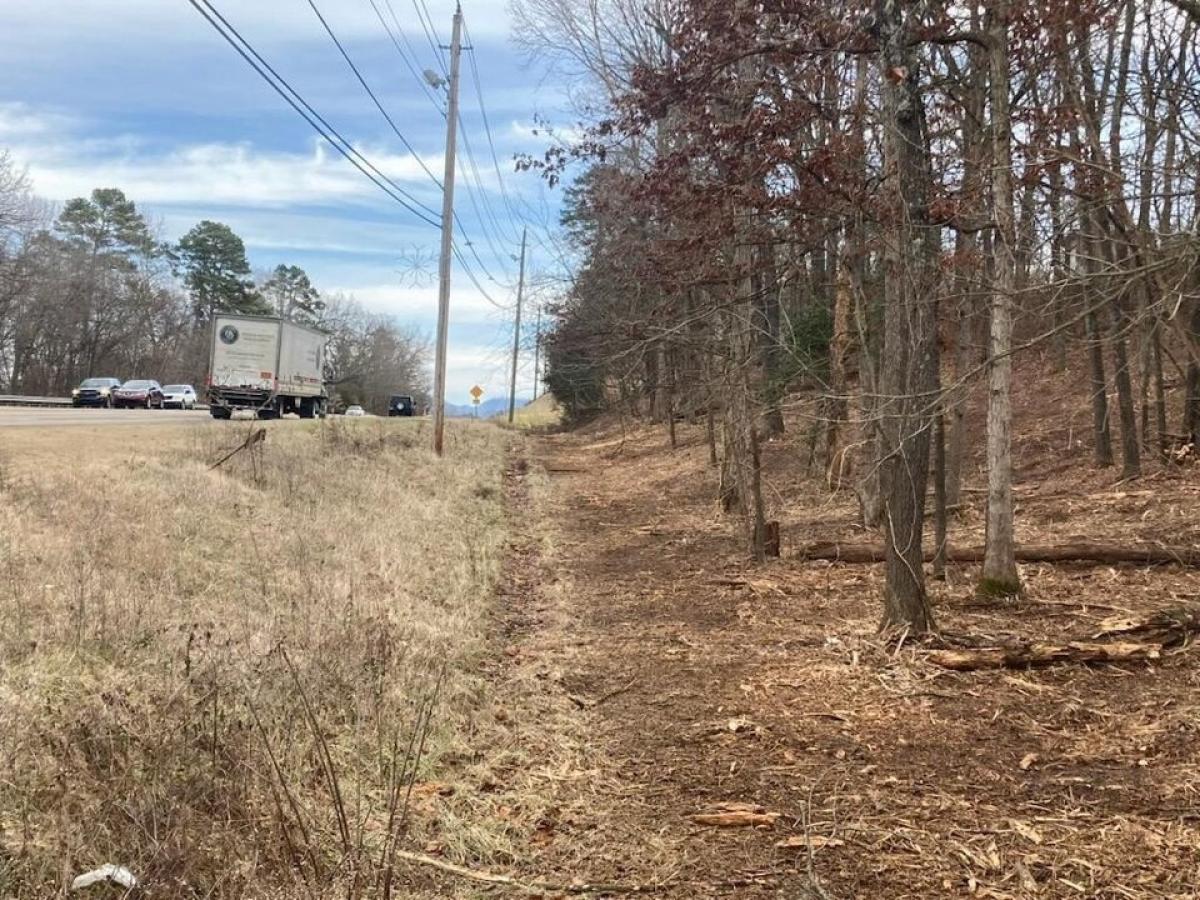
{"x": 1027, "y": 655}
{"x": 736, "y": 815}
{"x": 1169, "y": 628}
{"x": 1100, "y": 554}
{"x": 1166, "y": 629}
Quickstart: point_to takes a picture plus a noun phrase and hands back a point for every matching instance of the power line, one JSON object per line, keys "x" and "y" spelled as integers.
{"x": 470, "y": 157}
{"x": 370, "y": 93}
{"x": 475, "y": 281}
{"x": 409, "y": 62}
{"x": 486, "y": 124}
{"x": 473, "y": 170}
{"x": 429, "y": 30}
{"x": 310, "y": 115}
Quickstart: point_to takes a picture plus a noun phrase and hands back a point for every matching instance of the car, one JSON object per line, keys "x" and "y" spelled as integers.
{"x": 401, "y": 405}
{"x": 143, "y": 392}
{"x": 95, "y": 392}
{"x": 182, "y": 396}
{"x": 355, "y": 410}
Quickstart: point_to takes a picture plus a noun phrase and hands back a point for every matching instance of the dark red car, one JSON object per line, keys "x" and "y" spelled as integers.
{"x": 139, "y": 392}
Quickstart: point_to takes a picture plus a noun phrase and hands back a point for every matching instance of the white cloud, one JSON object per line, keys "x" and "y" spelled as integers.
{"x": 238, "y": 175}
{"x": 21, "y": 121}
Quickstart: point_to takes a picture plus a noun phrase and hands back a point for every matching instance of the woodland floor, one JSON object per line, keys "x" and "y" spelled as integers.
{"x": 684, "y": 677}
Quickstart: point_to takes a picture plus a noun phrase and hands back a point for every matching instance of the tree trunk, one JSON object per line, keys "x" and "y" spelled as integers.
{"x": 1057, "y": 261}
{"x": 956, "y": 447}
{"x": 910, "y": 245}
{"x": 1101, "y": 430}
{"x": 770, "y": 341}
{"x": 1000, "y": 577}
{"x": 939, "y": 497}
{"x": 837, "y": 468}
{"x": 1130, "y": 441}
{"x": 1191, "y": 399}
{"x": 1102, "y": 434}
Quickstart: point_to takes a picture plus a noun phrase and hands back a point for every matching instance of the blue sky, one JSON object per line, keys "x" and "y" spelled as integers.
{"x": 143, "y": 95}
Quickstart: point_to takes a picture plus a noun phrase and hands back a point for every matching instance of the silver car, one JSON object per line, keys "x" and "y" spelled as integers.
{"x": 182, "y": 396}
{"x": 355, "y": 410}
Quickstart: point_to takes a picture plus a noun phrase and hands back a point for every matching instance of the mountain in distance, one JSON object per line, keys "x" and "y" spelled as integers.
{"x": 493, "y": 406}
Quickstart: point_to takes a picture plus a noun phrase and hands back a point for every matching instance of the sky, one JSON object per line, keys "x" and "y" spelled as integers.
{"x": 145, "y": 96}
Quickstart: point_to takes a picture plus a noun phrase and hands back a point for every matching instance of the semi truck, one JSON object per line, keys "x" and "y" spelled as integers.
{"x": 268, "y": 365}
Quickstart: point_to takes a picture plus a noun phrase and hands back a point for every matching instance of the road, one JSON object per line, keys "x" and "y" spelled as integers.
{"x": 57, "y": 417}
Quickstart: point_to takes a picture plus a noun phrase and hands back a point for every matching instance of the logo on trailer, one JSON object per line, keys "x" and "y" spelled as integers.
{"x": 228, "y": 334}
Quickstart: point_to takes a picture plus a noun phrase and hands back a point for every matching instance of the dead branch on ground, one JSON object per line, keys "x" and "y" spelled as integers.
{"x": 1099, "y": 554}
{"x": 1166, "y": 629}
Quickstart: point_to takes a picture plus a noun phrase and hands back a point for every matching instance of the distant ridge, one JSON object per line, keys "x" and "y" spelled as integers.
{"x": 493, "y": 406}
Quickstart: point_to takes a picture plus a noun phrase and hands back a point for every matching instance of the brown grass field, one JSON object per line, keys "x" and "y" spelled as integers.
{"x": 228, "y": 679}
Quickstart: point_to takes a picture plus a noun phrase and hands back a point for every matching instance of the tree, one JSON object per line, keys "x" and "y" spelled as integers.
{"x": 212, "y": 259}
{"x": 999, "y": 576}
{"x": 292, "y": 295}
{"x": 911, "y": 245}
{"x": 372, "y": 357}
{"x": 812, "y": 155}
{"x": 106, "y": 224}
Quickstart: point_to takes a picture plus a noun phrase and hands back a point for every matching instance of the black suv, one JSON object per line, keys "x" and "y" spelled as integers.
{"x": 401, "y": 405}
{"x": 95, "y": 392}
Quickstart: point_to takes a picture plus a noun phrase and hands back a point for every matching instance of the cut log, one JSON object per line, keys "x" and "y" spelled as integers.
{"x": 1021, "y": 656}
{"x": 1100, "y": 554}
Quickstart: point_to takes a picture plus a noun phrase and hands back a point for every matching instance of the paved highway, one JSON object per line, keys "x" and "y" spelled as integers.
{"x": 56, "y": 417}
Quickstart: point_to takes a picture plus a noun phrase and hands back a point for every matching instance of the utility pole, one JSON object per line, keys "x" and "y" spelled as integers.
{"x": 443, "y": 322}
{"x": 537, "y": 353}
{"x": 512, "y": 383}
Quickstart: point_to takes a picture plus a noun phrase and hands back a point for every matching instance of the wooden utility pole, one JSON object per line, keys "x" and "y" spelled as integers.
{"x": 537, "y": 353}
{"x": 512, "y": 382}
{"x": 443, "y": 321}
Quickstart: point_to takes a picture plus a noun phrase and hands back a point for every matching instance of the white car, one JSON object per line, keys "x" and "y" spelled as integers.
{"x": 179, "y": 395}
{"x": 355, "y": 410}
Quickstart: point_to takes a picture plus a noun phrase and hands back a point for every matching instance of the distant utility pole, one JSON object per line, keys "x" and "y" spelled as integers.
{"x": 443, "y": 322}
{"x": 537, "y": 353}
{"x": 512, "y": 384}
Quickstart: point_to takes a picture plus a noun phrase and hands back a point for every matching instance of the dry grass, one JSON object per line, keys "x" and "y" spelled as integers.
{"x": 216, "y": 677}
{"x": 541, "y": 414}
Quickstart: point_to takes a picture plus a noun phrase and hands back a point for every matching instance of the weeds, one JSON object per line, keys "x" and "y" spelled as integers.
{"x": 230, "y": 679}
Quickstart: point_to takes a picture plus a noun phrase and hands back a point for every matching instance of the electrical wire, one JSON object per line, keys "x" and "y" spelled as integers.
{"x": 473, "y": 170}
{"x": 370, "y": 93}
{"x": 487, "y": 125}
{"x": 429, "y": 30}
{"x": 474, "y": 280}
{"x": 310, "y": 115}
{"x": 344, "y": 147}
{"x": 409, "y": 62}
{"x": 483, "y": 210}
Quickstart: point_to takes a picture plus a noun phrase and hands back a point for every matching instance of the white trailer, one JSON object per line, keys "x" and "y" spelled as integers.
{"x": 268, "y": 365}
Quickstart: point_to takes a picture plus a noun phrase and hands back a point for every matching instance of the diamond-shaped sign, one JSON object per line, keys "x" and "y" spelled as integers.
{"x": 476, "y": 392}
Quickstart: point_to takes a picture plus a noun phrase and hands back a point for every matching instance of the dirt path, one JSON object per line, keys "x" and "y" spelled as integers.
{"x": 696, "y": 681}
